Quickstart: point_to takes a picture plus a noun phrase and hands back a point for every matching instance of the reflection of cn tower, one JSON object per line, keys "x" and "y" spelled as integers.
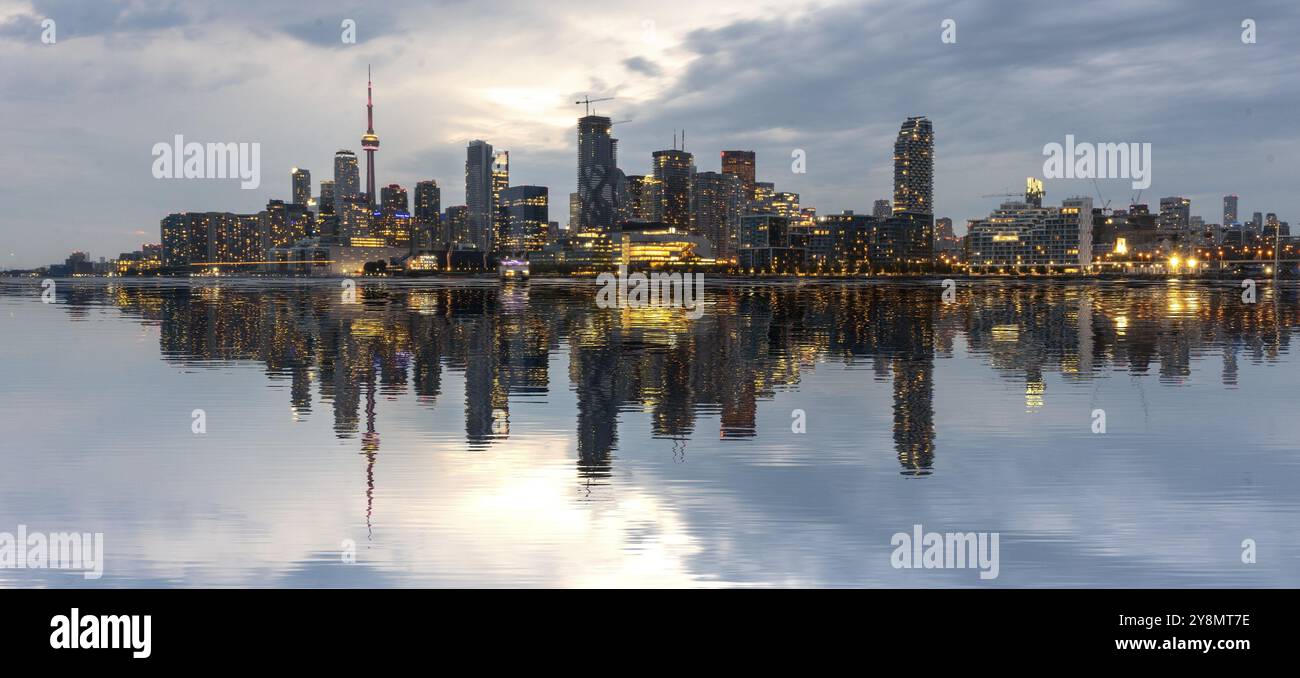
{"x": 370, "y": 445}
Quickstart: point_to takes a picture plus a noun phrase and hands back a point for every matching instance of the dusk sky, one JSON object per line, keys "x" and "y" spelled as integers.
{"x": 834, "y": 79}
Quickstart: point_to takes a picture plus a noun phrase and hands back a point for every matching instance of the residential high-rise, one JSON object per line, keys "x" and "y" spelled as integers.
{"x": 881, "y": 209}
{"x": 1034, "y": 191}
{"x": 1175, "y": 214}
{"x": 764, "y": 193}
{"x": 527, "y": 214}
{"x": 639, "y": 205}
{"x": 370, "y": 142}
{"x": 301, "y": 186}
{"x": 500, "y": 182}
{"x": 347, "y": 178}
{"x": 478, "y": 194}
{"x": 719, "y": 200}
{"x": 456, "y": 220}
{"x": 786, "y": 204}
{"x": 1023, "y": 235}
{"x": 427, "y": 214}
{"x": 1229, "y": 210}
{"x": 394, "y": 216}
{"x": 673, "y": 173}
{"x": 282, "y": 225}
{"x": 597, "y": 171}
{"x": 325, "y": 203}
{"x": 914, "y": 167}
{"x": 909, "y": 234}
{"x": 742, "y": 164}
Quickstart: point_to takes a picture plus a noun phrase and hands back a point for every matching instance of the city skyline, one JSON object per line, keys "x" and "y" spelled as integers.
{"x": 848, "y": 163}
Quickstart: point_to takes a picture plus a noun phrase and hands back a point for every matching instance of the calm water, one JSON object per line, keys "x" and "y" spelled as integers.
{"x": 472, "y": 434}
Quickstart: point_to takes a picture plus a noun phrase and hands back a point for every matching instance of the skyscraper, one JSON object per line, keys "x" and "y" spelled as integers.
{"x": 370, "y": 143}
{"x": 909, "y": 234}
{"x": 394, "y": 216}
{"x": 1229, "y": 210}
{"x": 480, "y": 209}
{"x": 719, "y": 200}
{"x": 301, "y": 186}
{"x": 500, "y": 182}
{"x": 1175, "y": 214}
{"x": 428, "y": 216}
{"x": 673, "y": 173}
{"x": 742, "y": 164}
{"x": 881, "y": 209}
{"x": 639, "y": 206}
{"x": 597, "y": 170}
{"x": 326, "y": 200}
{"x": 456, "y": 222}
{"x": 347, "y": 178}
{"x": 914, "y": 167}
{"x": 527, "y": 215}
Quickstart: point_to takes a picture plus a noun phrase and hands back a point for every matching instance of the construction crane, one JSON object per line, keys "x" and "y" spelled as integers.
{"x": 588, "y": 101}
{"x": 1003, "y": 195}
{"x": 1105, "y": 204}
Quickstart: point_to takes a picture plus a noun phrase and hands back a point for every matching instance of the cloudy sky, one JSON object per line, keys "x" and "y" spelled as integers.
{"x": 833, "y": 79}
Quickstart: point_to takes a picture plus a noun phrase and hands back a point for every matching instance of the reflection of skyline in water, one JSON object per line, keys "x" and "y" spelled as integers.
{"x": 470, "y": 434}
{"x": 755, "y": 340}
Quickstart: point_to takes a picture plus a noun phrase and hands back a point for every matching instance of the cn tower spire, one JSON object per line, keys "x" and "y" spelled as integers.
{"x": 370, "y": 141}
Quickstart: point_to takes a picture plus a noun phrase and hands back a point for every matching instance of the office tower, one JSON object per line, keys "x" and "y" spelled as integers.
{"x": 347, "y": 178}
{"x": 1175, "y": 214}
{"x": 881, "y": 209}
{"x": 457, "y": 226}
{"x": 394, "y": 216}
{"x": 742, "y": 164}
{"x": 914, "y": 167}
{"x": 478, "y": 194}
{"x": 719, "y": 199}
{"x": 428, "y": 216}
{"x": 527, "y": 213}
{"x": 370, "y": 143}
{"x": 500, "y": 181}
{"x": 1257, "y": 223}
{"x": 301, "y": 186}
{"x": 1229, "y": 210}
{"x": 597, "y": 174}
{"x": 673, "y": 173}
{"x": 575, "y": 212}
{"x": 325, "y": 203}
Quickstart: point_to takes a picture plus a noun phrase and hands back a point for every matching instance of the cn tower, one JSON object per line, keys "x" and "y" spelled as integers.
{"x": 370, "y": 142}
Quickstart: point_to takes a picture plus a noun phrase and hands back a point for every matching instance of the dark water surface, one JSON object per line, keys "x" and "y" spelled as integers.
{"x": 467, "y": 433}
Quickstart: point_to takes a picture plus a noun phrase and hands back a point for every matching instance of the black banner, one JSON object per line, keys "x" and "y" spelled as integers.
{"x": 335, "y": 628}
